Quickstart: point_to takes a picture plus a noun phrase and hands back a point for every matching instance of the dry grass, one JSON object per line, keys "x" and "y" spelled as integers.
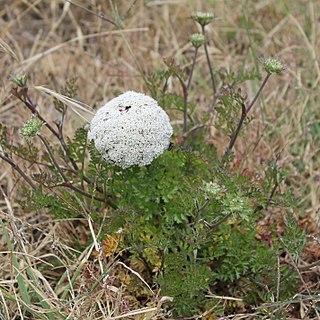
{"x": 53, "y": 41}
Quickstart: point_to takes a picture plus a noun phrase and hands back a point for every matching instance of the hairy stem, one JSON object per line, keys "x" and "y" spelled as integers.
{"x": 24, "y": 97}
{"x": 237, "y": 131}
{"x": 244, "y": 113}
{"x": 52, "y": 158}
{"x": 67, "y": 183}
{"x": 213, "y": 83}
{"x": 192, "y": 68}
{"x": 16, "y": 167}
{"x": 185, "y": 103}
{"x": 30, "y": 105}
{"x": 214, "y": 225}
{"x": 272, "y": 193}
{"x": 258, "y": 93}
{"x": 185, "y": 89}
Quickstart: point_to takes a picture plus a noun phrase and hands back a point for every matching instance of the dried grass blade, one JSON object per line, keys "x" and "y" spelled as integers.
{"x": 40, "y": 55}
{"x": 4, "y": 47}
{"x": 72, "y": 103}
{"x": 135, "y": 273}
{"x": 21, "y": 284}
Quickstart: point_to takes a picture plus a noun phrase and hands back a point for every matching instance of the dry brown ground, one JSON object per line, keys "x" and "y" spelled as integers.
{"x": 53, "y": 41}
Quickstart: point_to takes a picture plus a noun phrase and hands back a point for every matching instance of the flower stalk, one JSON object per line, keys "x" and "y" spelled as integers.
{"x": 4, "y": 156}
{"x": 213, "y": 82}
{"x": 186, "y": 87}
{"x": 32, "y": 128}
{"x": 271, "y": 66}
{"x": 66, "y": 182}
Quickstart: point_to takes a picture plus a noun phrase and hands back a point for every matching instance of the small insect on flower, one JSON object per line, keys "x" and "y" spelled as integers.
{"x": 125, "y": 109}
{"x": 131, "y": 129}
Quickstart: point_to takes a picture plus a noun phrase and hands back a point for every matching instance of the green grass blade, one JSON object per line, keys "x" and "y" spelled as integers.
{"x": 21, "y": 285}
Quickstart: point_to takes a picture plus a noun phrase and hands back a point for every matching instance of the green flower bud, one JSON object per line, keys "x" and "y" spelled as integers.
{"x": 31, "y": 128}
{"x": 198, "y": 39}
{"x": 273, "y": 65}
{"x": 203, "y": 18}
{"x": 20, "y": 81}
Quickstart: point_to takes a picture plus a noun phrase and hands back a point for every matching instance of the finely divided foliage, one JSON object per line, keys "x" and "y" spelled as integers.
{"x": 154, "y": 212}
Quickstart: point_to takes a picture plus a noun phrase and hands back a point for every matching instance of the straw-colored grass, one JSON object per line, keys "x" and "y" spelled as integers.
{"x": 53, "y": 41}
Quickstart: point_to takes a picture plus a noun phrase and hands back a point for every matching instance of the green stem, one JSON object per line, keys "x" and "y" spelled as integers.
{"x": 58, "y": 134}
{"x": 185, "y": 89}
{"x": 237, "y": 131}
{"x": 214, "y": 88}
{"x": 192, "y": 68}
{"x": 67, "y": 183}
{"x": 185, "y": 104}
{"x": 30, "y": 105}
{"x": 244, "y": 113}
{"x": 258, "y": 93}
{"x": 52, "y": 158}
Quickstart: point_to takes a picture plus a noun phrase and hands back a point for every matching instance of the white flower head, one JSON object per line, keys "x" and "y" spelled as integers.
{"x": 131, "y": 129}
{"x": 31, "y": 128}
{"x": 212, "y": 189}
{"x": 198, "y": 39}
{"x": 203, "y": 18}
{"x": 273, "y": 65}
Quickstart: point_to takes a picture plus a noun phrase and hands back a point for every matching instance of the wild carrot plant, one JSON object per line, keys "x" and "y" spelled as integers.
{"x": 170, "y": 208}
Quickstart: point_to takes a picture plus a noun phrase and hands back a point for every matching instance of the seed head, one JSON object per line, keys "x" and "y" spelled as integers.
{"x": 273, "y": 65}
{"x": 203, "y": 18}
{"x": 198, "y": 39}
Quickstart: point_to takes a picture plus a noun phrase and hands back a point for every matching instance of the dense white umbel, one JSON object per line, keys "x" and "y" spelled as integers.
{"x": 131, "y": 129}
